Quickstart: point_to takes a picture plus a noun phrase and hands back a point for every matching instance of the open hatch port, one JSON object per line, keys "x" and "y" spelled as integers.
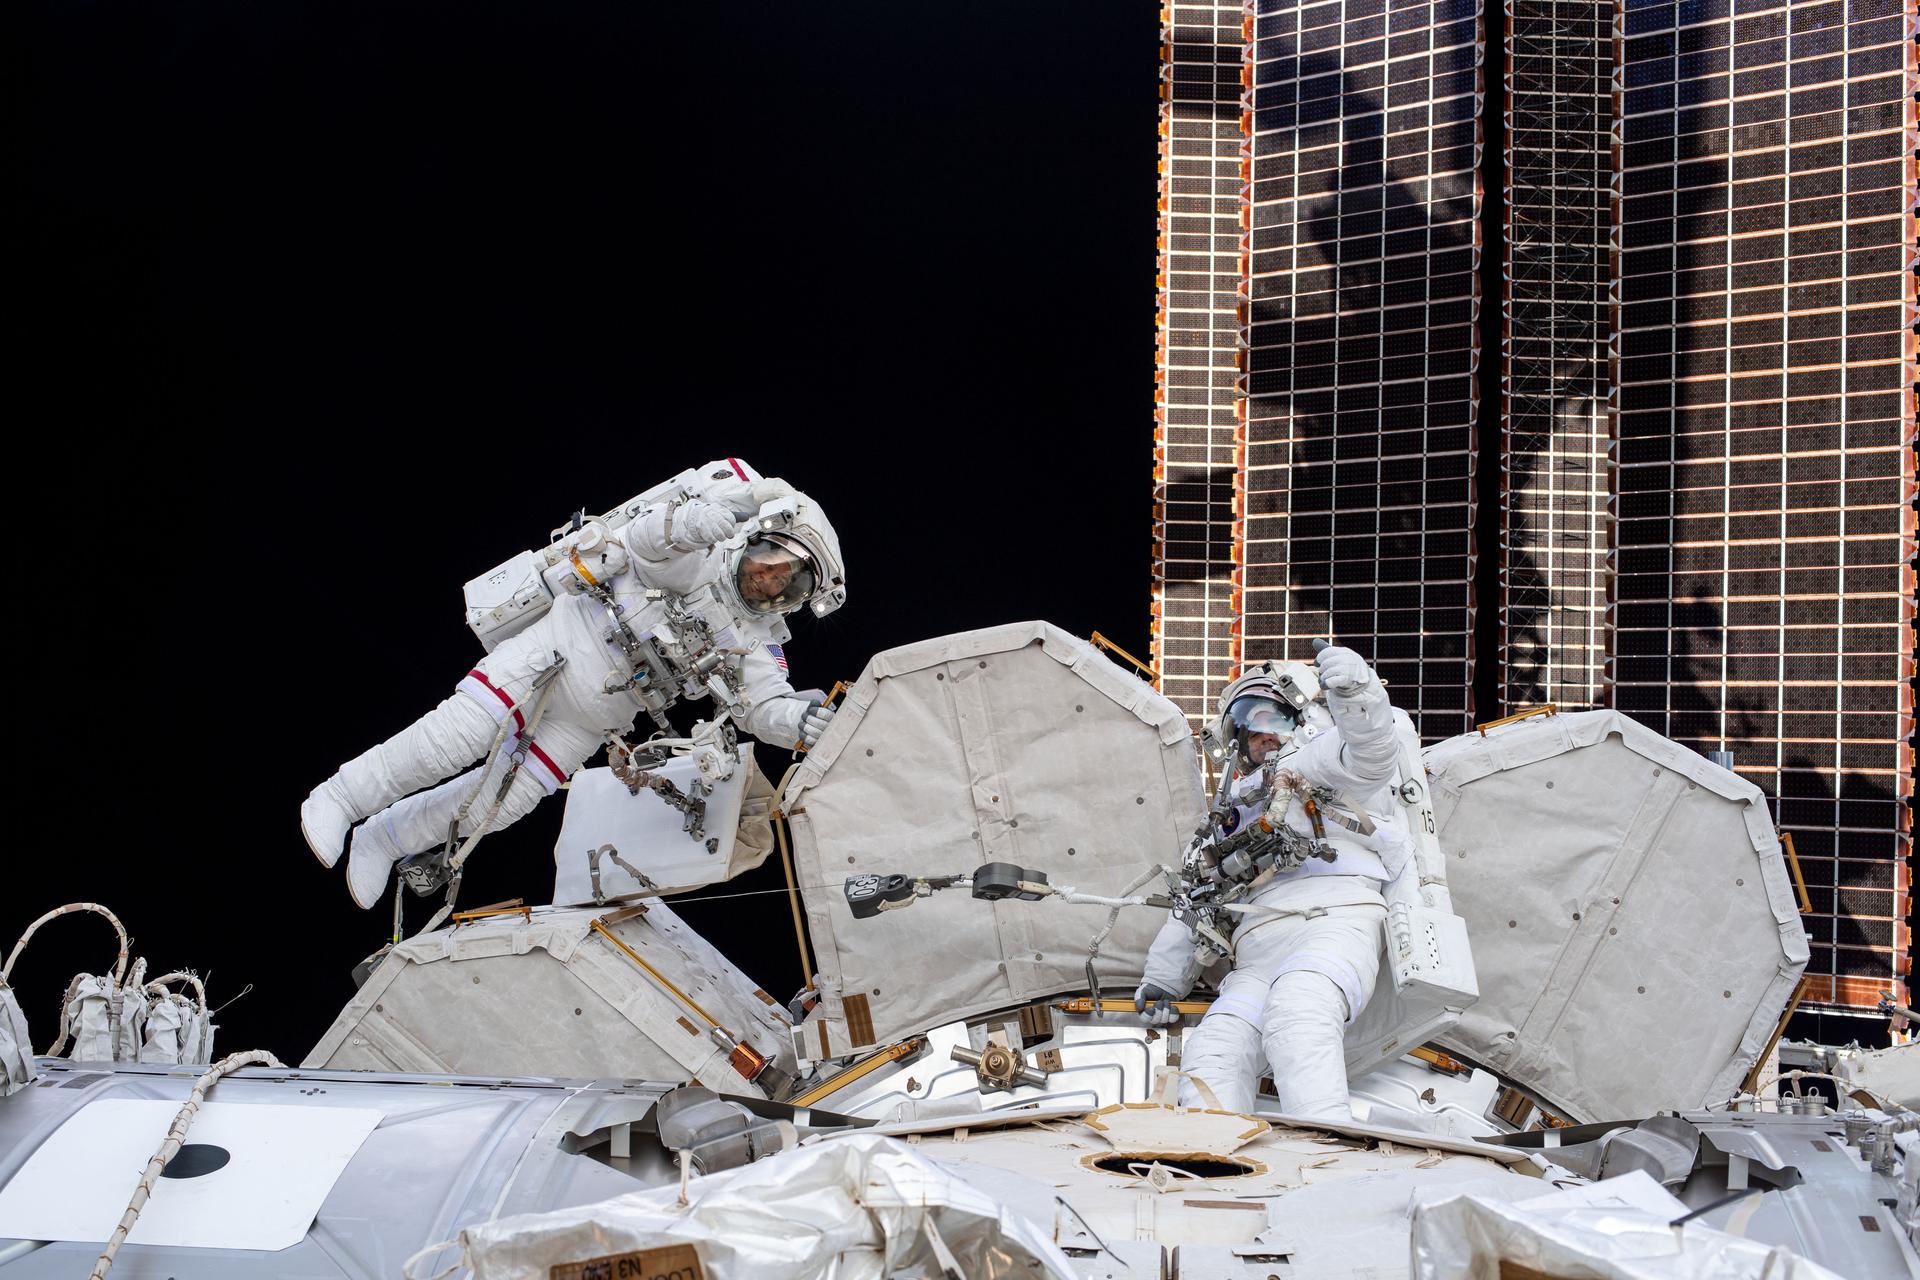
{"x": 1135, "y": 1164}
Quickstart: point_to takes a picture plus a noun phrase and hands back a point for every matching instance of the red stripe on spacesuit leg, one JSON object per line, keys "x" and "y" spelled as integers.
{"x": 488, "y": 685}
{"x": 480, "y": 693}
{"x": 737, "y": 468}
{"x": 546, "y": 761}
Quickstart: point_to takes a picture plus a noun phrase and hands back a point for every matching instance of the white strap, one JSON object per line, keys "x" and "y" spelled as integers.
{"x": 1165, "y": 1088}
{"x": 409, "y": 1268}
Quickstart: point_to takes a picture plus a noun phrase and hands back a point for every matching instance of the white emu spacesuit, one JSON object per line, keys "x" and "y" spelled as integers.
{"x": 1306, "y": 951}
{"x": 701, "y": 551}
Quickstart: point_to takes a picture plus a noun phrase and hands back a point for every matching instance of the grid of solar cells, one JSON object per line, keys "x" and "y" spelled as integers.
{"x": 1361, "y": 301}
{"x": 1556, "y": 418}
{"x": 1196, "y": 471}
{"x": 1766, "y": 370}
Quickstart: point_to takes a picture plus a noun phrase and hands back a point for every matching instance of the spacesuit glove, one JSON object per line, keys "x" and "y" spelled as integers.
{"x": 819, "y": 716}
{"x": 1155, "y": 1005}
{"x": 1343, "y": 670}
{"x": 768, "y": 490}
{"x": 701, "y": 524}
{"x": 1363, "y": 716}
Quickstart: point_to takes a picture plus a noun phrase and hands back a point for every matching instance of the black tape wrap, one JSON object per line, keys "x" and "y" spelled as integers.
{"x": 996, "y": 880}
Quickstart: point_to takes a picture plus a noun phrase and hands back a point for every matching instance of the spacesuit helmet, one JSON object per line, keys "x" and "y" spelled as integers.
{"x": 1255, "y": 715}
{"x": 1268, "y": 700}
{"x": 790, "y": 558}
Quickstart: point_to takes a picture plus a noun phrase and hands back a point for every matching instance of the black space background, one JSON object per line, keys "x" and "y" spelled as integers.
{"x": 321, "y": 309}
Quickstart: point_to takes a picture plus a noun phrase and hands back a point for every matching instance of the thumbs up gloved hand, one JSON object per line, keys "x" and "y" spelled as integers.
{"x": 1363, "y": 715}
{"x": 1342, "y": 670}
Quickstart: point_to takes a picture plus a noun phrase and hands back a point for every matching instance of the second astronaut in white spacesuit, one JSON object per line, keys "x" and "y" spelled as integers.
{"x": 672, "y": 551}
{"x": 1306, "y": 951}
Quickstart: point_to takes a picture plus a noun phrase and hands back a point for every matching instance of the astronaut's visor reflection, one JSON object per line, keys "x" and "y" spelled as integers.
{"x": 775, "y": 574}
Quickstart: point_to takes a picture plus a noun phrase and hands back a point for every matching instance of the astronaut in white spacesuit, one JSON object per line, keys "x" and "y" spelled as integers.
{"x": 702, "y": 551}
{"x": 1306, "y": 950}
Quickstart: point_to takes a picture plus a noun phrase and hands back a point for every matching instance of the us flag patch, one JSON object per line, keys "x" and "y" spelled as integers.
{"x": 779, "y": 656}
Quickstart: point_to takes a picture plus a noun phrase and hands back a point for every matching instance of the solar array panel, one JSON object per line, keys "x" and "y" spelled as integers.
{"x": 1196, "y": 465}
{"x": 1555, "y": 410}
{"x": 1765, "y": 594}
{"x": 1361, "y": 294}
{"x": 1708, "y": 368}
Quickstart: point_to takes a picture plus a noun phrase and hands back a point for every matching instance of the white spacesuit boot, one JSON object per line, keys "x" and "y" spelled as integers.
{"x": 324, "y": 821}
{"x": 445, "y": 740}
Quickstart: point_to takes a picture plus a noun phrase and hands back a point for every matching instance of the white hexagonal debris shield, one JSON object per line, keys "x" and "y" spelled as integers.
{"x": 1018, "y": 744}
{"x": 1633, "y": 922}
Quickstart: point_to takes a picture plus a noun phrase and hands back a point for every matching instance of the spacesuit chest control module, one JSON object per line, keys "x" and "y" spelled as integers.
{"x": 680, "y": 592}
